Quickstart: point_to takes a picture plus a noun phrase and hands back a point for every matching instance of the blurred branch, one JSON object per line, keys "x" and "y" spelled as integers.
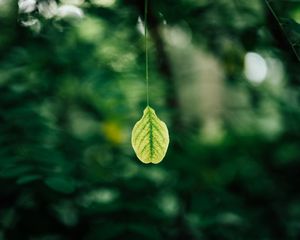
{"x": 282, "y": 29}
{"x": 164, "y": 66}
{"x": 283, "y": 43}
{"x": 8, "y": 24}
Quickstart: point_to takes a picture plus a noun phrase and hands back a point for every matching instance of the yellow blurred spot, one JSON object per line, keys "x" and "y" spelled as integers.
{"x": 113, "y": 132}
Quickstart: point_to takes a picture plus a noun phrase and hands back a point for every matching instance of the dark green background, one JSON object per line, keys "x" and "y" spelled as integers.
{"x": 72, "y": 87}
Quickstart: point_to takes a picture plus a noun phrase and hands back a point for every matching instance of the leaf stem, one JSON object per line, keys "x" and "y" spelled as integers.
{"x": 146, "y": 51}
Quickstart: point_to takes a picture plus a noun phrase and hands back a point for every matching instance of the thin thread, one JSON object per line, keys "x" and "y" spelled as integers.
{"x": 146, "y": 51}
{"x": 282, "y": 29}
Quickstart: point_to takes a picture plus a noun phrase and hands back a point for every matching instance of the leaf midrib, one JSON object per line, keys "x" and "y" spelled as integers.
{"x": 151, "y": 135}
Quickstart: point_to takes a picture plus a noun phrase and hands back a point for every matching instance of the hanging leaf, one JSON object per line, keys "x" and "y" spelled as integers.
{"x": 150, "y": 137}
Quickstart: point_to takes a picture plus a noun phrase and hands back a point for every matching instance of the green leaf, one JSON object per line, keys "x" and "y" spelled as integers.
{"x": 28, "y": 179}
{"x": 150, "y": 137}
{"x": 14, "y": 171}
{"x": 60, "y": 184}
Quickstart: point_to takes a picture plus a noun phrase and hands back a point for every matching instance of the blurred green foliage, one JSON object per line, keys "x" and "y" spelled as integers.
{"x": 71, "y": 89}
